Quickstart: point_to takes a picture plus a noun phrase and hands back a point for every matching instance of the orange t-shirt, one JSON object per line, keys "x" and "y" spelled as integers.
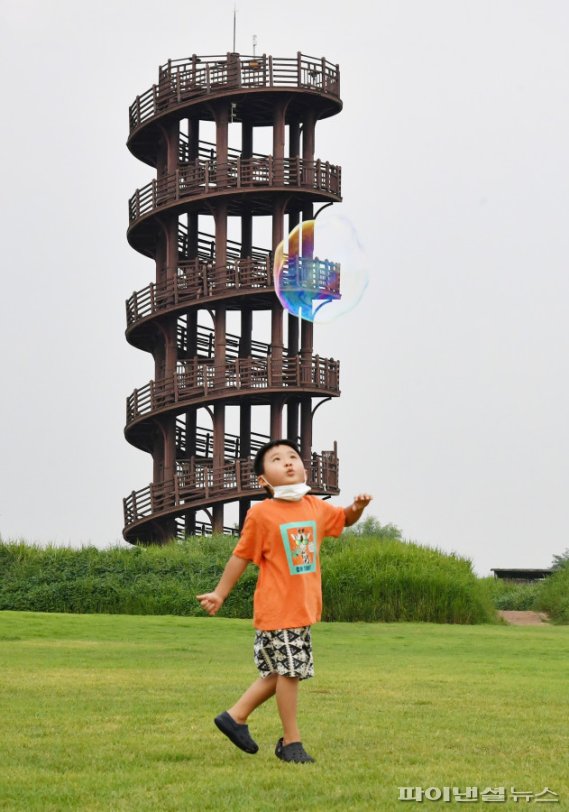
{"x": 283, "y": 539}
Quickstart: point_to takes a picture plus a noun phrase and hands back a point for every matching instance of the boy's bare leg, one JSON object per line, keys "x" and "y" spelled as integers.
{"x": 262, "y": 689}
{"x": 287, "y": 701}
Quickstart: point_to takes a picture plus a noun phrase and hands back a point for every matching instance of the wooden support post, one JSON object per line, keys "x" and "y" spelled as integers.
{"x": 169, "y": 435}
{"x": 278, "y": 142}
{"x": 246, "y": 247}
{"x": 276, "y": 417}
{"x": 193, "y": 231}
{"x": 308, "y": 146}
{"x": 221, "y": 142}
{"x": 218, "y": 460}
{"x": 245, "y": 408}
{"x": 294, "y": 139}
{"x": 172, "y": 147}
{"x": 306, "y": 430}
{"x": 246, "y": 139}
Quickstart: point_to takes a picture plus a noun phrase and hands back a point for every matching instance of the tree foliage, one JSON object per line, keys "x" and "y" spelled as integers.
{"x": 560, "y": 561}
{"x": 371, "y": 526}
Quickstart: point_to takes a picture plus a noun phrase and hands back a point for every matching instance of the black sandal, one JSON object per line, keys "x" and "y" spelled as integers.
{"x": 293, "y": 752}
{"x": 238, "y": 734}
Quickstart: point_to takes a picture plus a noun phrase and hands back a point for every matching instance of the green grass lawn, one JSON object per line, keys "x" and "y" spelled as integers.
{"x": 114, "y": 712}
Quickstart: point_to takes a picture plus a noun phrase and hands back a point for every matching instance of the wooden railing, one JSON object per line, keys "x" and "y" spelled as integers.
{"x": 182, "y": 80}
{"x": 195, "y": 279}
{"x": 207, "y": 150}
{"x": 193, "y": 482}
{"x": 195, "y": 379}
{"x": 205, "y": 344}
{"x": 198, "y": 481}
{"x": 204, "y": 441}
{"x": 205, "y": 177}
{"x": 206, "y": 248}
{"x": 201, "y": 529}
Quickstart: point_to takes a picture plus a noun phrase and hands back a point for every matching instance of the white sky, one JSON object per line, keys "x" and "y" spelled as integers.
{"x": 453, "y": 144}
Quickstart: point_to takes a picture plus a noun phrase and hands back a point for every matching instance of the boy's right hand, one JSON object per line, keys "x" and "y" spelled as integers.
{"x": 211, "y": 602}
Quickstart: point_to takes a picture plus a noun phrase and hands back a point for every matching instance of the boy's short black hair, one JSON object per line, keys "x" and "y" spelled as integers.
{"x": 258, "y": 465}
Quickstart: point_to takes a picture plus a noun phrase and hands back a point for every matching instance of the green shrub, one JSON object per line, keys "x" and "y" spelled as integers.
{"x": 560, "y": 561}
{"x": 553, "y": 596}
{"x": 366, "y": 578}
{"x": 139, "y": 580}
{"x": 369, "y": 579}
{"x": 510, "y": 595}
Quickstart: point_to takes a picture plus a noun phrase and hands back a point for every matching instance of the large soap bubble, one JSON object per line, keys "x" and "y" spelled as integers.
{"x": 316, "y": 289}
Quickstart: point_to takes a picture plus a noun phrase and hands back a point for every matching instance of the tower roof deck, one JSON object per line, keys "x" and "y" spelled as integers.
{"x": 250, "y": 83}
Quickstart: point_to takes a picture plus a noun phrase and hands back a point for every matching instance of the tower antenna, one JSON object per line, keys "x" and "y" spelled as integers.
{"x": 234, "y": 24}
{"x": 254, "y": 43}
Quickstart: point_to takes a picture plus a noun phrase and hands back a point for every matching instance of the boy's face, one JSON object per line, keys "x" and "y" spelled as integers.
{"x": 282, "y": 466}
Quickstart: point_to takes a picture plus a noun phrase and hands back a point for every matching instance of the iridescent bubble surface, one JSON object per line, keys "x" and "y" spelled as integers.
{"x": 320, "y": 270}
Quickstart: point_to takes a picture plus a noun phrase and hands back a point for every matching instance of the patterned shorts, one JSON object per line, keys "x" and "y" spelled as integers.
{"x": 287, "y": 652}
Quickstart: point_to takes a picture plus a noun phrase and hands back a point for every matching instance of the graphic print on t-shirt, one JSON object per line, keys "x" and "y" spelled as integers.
{"x": 299, "y": 539}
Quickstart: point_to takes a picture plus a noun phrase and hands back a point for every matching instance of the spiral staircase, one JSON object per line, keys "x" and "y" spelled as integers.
{"x": 203, "y": 278}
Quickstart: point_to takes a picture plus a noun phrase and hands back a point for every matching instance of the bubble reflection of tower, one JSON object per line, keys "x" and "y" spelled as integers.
{"x": 200, "y": 221}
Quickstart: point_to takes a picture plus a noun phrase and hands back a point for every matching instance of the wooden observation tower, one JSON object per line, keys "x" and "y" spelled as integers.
{"x": 219, "y": 392}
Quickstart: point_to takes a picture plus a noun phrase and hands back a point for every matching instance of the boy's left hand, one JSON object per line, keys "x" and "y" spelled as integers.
{"x": 361, "y": 501}
{"x": 353, "y": 513}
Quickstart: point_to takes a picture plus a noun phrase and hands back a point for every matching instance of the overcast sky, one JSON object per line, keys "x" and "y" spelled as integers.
{"x": 453, "y": 143}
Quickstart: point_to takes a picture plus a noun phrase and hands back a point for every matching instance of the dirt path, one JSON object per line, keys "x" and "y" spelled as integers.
{"x": 524, "y": 618}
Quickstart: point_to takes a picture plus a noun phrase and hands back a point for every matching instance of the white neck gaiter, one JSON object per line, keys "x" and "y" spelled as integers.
{"x": 290, "y": 493}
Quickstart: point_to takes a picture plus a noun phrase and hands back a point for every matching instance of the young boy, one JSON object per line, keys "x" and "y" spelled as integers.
{"x": 282, "y": 536}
